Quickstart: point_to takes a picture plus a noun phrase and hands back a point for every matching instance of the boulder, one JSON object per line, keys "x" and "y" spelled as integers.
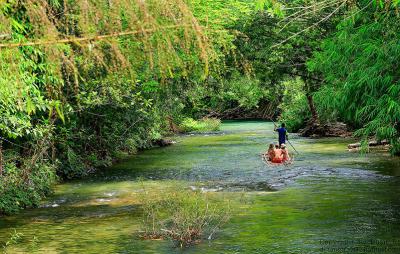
{"x": 370, "y": 144}
{"x": 163, "y": 142}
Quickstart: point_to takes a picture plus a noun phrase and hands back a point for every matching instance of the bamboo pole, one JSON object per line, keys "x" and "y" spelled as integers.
{"x": 89, "y": 38}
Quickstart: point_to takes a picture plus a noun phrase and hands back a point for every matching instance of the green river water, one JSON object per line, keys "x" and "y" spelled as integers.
{"x": 328, "y": 201}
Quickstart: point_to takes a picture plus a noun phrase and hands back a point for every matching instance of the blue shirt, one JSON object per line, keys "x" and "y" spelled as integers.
{"x": 282, "y": 134}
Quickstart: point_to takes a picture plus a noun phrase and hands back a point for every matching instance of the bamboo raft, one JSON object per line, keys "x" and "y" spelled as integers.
{"x": 270, "y": 163}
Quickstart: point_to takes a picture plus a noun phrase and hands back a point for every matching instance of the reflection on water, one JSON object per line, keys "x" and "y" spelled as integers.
{"x": 326, "y": 197}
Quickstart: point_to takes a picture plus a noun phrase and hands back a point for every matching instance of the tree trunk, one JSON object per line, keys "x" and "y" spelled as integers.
{"x": 172, "y": 125}
{"x": 308, "y": 89}
{"x": 313, "y": 110}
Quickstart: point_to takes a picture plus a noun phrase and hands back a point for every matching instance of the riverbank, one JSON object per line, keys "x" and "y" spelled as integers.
{"x": 24, "y": 186}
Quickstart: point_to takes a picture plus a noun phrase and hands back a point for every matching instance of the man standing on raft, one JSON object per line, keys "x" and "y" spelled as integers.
{"x": 283, "y": 134}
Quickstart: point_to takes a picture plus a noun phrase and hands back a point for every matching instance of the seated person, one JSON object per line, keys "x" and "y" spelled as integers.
{"x": 278, "y": 155}
{"x": 271, "y": 152}
{"x": 285, "y": 153}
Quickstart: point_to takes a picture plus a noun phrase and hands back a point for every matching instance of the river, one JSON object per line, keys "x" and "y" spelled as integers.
{"x": 328, "y": 201}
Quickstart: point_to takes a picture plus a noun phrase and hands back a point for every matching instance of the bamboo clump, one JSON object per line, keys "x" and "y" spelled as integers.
{"x": 118, "y": 34}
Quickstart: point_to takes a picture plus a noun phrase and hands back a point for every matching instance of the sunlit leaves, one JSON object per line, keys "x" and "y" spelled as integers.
{"x": 272, "y": 6}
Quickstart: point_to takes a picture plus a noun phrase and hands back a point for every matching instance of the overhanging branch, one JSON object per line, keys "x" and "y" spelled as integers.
{"x": 89, "y": 38}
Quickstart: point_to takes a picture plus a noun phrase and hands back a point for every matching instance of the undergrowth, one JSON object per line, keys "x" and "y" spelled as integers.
{"x": 21, "y": 189}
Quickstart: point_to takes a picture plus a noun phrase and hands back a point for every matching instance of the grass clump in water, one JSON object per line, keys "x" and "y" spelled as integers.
{"x": 202, "y": 125}
{"x": 183, "y": 216}
{"x": 15, "y": 239}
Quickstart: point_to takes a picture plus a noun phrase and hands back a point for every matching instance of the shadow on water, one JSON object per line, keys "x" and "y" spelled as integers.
{"x": 328, "y": 194}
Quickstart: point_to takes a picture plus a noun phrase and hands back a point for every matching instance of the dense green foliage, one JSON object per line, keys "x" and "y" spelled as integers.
{"x": 360, "y": 64}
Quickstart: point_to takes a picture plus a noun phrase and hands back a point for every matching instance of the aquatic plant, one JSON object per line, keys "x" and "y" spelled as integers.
{"x": 15, "y": 238}
{"x": 183, "y": 216}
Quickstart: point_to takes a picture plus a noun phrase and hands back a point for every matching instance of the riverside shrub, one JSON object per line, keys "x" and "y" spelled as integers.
{"x": 202, "y": 125}
{"x": 20, "y": 189}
